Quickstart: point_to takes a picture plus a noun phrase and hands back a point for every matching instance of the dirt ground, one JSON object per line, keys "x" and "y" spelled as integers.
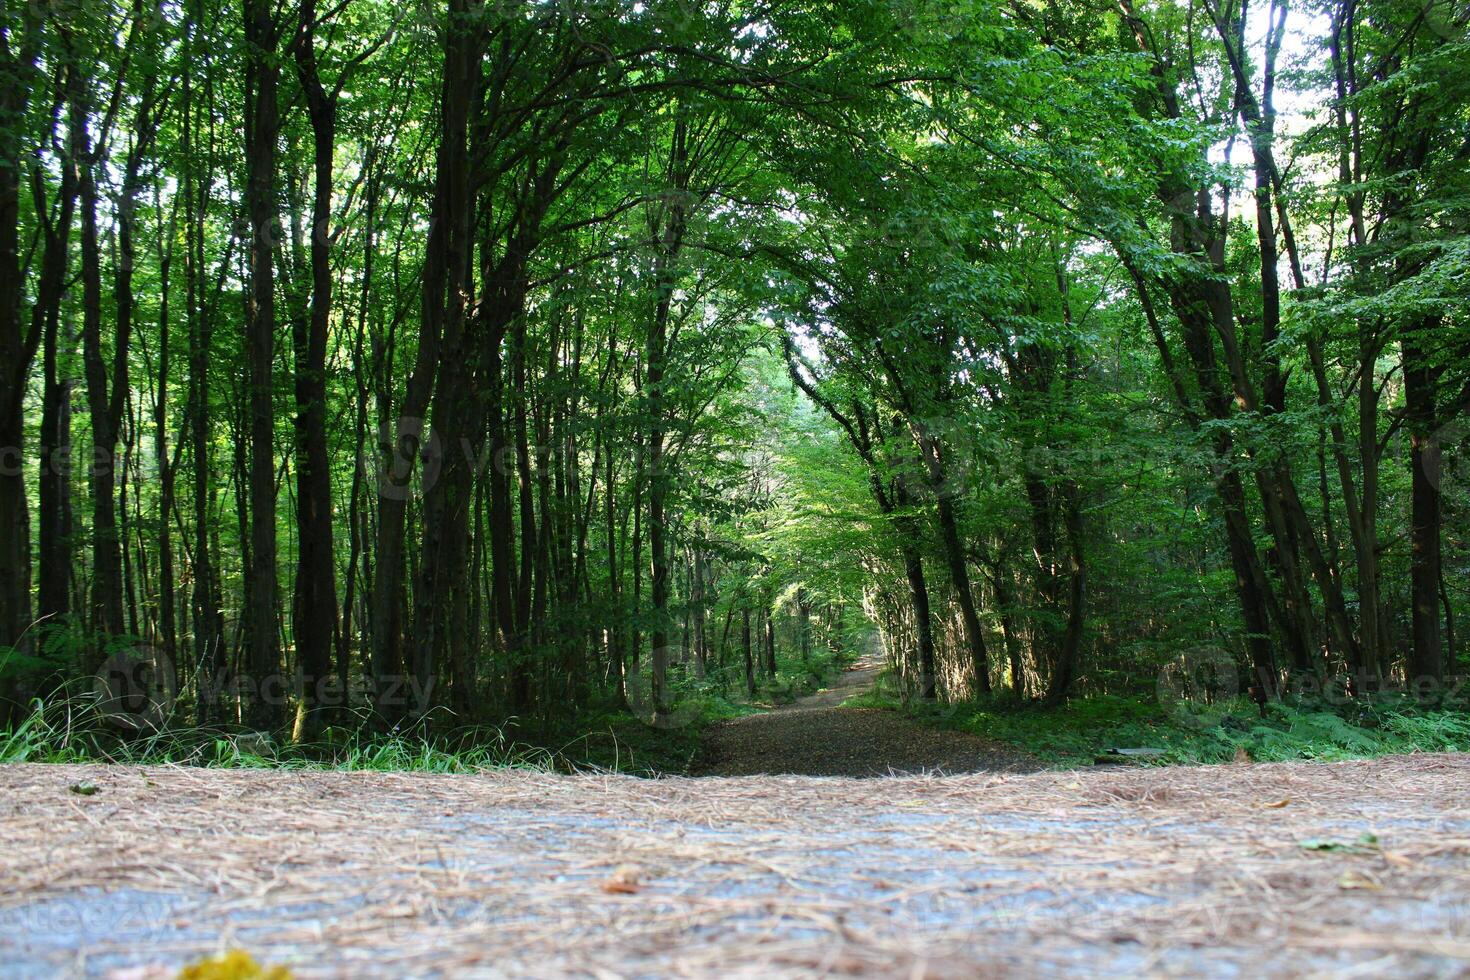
{"x": 815, "y": 737}
{"x": 1352, "y": 869}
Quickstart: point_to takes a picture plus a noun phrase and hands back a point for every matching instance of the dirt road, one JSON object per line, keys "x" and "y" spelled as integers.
{"x": 815, "y": 737}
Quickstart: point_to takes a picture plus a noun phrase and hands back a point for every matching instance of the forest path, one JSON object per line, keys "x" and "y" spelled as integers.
{"x": 858, "y": 678}
{"x": 814, "y": 736}
{"x": 1280, "y": 870}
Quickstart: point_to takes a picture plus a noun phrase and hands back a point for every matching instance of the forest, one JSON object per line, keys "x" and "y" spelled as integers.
{"x": 495, "y": 362}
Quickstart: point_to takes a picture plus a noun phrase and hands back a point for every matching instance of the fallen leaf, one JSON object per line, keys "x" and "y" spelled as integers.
{"x": 234, "y": 965}
{"x": 1356, "y": 880}
{"x": 614, "y": 887}
{"x": 625, "y": 880}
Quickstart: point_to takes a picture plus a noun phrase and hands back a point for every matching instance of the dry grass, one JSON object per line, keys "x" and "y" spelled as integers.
{"x": 1176, "y": 871}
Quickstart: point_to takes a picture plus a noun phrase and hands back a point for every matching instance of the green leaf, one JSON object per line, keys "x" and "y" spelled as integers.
{"x": 1365, "y": 844}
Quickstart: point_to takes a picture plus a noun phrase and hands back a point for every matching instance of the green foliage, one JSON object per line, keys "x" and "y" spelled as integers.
{"x": 70, "y": 729}
{"x": 955, "y": 226}
{"x": 616, "y": 740}
{"x": 1078, "y": 732}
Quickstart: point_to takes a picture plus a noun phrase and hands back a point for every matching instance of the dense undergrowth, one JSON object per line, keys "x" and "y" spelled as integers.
{"x": 1084, "y": 729}
{"x": 617, "y": 738}
{"x": 73, "y": 728}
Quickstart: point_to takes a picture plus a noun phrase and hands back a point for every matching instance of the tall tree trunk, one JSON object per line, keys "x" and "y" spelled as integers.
{"x": 954, "y": 556}
{"x": 144, "y": 127}
{"x": 132, "y": 577}
{"x": 402, "y": 441}
{"x": 804, "y": 623}
{"x": 106, "y": 611}
{"x": 701, "y": 613}
{"x": 314, "y": 606}
{"x": 262, "y": 130}
{"x": 1421, "y": 395}
{"x": 1064, "y": 670}
{"x": 54, "y": 493}
{"x": 770, "y": 643}
{"x": 1361, "y": 508}
{"x": 208, "y": 628}
{"x": 1003, "y": 599}
{"x": 959, "y": 578}
{"x": 913, "y": 567}
{"x": 167, "y": 625}
{"x": 17, "y": 349}
{"x": 669, "y": 238}
{"x": 503, "y": 560}
{"x": 363, "y": 375}
{"x": 54, "y": 519}
{"x": 745, "y": 645}
{"x": 614, "y": 572}
{"x": 441, "y": 598}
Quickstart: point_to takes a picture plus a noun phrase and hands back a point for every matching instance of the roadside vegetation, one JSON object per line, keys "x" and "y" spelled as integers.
{"x": 1090, "y": 730}
{"x": 80, "y": 726}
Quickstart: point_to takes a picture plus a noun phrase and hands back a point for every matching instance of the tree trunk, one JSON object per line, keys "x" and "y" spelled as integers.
{"x": 17, "y": 351}
{"x": 55, "y": 515}
{"x": 1421, "y": 395}
{"x": 770, "y": 644}
{"x": 749, "y": 658}
{"x": 913, "y": 567}
{"x": 167, "y": 618}
{"x": 262, "y": 129}
{"x": 669, "y": 237}
{"x": 1008, "y": 631}
{"x": 208, "y": 652}
{"x": 106, "y": 612}
{"x": 959, "y": 577}
{"x": 1065, "y": 669}
{"x": 402, "y": 440}
{"x": 804, "y": 623}
{"x": 701, "y": 613}
{"x": 314, "y": 605}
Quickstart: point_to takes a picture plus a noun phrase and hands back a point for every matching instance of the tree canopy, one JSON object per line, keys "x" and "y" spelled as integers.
{"x": 496, "y": 359}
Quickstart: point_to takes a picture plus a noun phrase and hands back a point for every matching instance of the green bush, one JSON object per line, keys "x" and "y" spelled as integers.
{"x": 1081, "y": 730}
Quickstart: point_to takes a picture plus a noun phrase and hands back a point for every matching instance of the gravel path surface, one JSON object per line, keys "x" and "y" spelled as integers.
{"x": 1358, "y": 869}
{"x": 815, "y": 737}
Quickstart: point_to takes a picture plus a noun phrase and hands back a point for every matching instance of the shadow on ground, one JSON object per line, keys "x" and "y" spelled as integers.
{"x": 815, "y": 737}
